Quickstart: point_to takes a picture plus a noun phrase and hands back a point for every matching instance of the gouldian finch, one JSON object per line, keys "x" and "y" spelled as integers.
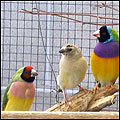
{"x": 105, "y": 57}
{"x": 19, "y": 94}
{"x": 72, "y": 68}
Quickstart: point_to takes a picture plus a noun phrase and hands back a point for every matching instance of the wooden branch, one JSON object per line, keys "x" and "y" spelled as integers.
{"x": 80, "y": 14}
{"x": 58, "y": 115}
{"x": 107, "y": 6}
{"x": 30, "y": 12}
{"x": 101, "y": 103}
{"x": 77, "y": 102}
{"x": 59, "y": 15}
{"x": 103, "y": 94}
{"x": 64, "y": 13}
{"x": 87, "y": 101}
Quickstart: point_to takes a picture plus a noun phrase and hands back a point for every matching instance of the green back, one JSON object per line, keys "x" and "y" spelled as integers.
{"x": 16, "y": 77}
{"x": 115, "y": 35}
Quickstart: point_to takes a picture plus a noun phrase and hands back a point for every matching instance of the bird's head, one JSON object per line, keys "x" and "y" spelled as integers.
{"x": 70, "y": 50}
{"x": 106, "y": 34}
{"x": 29, "y": 74}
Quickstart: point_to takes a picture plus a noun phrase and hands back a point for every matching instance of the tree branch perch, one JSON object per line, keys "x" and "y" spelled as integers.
{"x": 88, "y": 101}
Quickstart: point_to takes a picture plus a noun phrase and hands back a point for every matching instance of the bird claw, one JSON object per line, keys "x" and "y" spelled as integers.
{"x": 66, "y": 101}
{"x": 109, "y": 86}
{"x": 81, "y": 88}
{"x": 112, "y": 100}
{"x": 96, "y": 88}
{"x": 67, "y": 104}
{"x": 84, "y": 89}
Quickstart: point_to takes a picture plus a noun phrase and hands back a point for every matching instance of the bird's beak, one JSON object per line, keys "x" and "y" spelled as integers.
{"x": 63, "y": 50}
{"x": 33, "y": 73}
{"x": 97, "y": 33}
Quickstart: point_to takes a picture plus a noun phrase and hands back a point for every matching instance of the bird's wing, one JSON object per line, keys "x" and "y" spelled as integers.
{"x": 5, "y": 97}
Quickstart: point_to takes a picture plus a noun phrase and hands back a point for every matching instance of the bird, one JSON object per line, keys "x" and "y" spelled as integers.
{"x": 20, "y": 92}
{"x": 72, "y": 68}
{"x": 105, "y": 57}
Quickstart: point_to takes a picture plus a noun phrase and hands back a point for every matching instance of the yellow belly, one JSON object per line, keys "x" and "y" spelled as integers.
{"x": 105, "y": 70}
{"x": 18, "y": 104}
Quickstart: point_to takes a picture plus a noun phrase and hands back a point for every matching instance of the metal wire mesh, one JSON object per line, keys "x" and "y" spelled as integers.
{"x": 22, "y": 42}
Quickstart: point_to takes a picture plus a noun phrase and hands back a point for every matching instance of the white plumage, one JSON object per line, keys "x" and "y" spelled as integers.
{"x": 72, "y": 68}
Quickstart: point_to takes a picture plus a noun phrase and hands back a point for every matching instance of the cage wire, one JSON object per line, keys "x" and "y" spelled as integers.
{"x": 28, "y": 39}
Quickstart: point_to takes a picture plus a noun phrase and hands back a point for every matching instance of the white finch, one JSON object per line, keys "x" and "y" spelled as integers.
{"x": 72, "y": 68}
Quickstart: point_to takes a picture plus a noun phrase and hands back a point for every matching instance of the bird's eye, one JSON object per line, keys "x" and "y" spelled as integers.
{"x": 104, "y": 33}
{"x": 69, "y": 50}
{"x": 27, "y": 72}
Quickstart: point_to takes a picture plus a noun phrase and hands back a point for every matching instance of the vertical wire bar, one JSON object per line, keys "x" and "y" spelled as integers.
{"x": 96, "y": 39}
{"x": 81, "y": 28}
{"x": 45, "y": 62}
{"x": 74, "y": 40}
{"x": 31, "y": 35}
{"x": 10, "y": 39}
{"x": 68, "y": 26}
{"x": 32, "y": 28}
{"x": 38, "y": 45}
{"x": 61, "y": 34}
{"x": 75, "y": 27}
{"x": 61, "y": 27}
{"x": 52, "y": 55}
{"x": 57, "y": 95}
{"x": 3, "y": 2}
{"x": 39, "y": 31}
{"x": 17, "y": 35}
{"x": 23, "y": 36}
{"x": 105, "y": 13}
{"x": 68, "y": 30}
{"x": 89, "y": 46}
{"x": 36, "y": 88}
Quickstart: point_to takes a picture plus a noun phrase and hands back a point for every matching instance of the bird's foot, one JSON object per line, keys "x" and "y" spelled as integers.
{"x": 84, "y": 89}
{"x": 96, "y": 88}
{"x": 67, "y": 105}
{"x": 81, "y": 88}
{"x": 109, "y": 86}
{"x": 66, "y": 101}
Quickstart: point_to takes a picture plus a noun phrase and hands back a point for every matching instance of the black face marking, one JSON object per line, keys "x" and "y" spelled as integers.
{"x": 30, "y": 79}
{"x": 104, "y": 35}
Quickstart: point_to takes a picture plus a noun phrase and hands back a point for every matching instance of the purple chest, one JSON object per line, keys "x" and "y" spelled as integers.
{"x": 107, "y": 50}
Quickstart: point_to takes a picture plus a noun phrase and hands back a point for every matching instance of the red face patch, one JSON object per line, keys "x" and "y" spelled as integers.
{"x": 28, "y": 68}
